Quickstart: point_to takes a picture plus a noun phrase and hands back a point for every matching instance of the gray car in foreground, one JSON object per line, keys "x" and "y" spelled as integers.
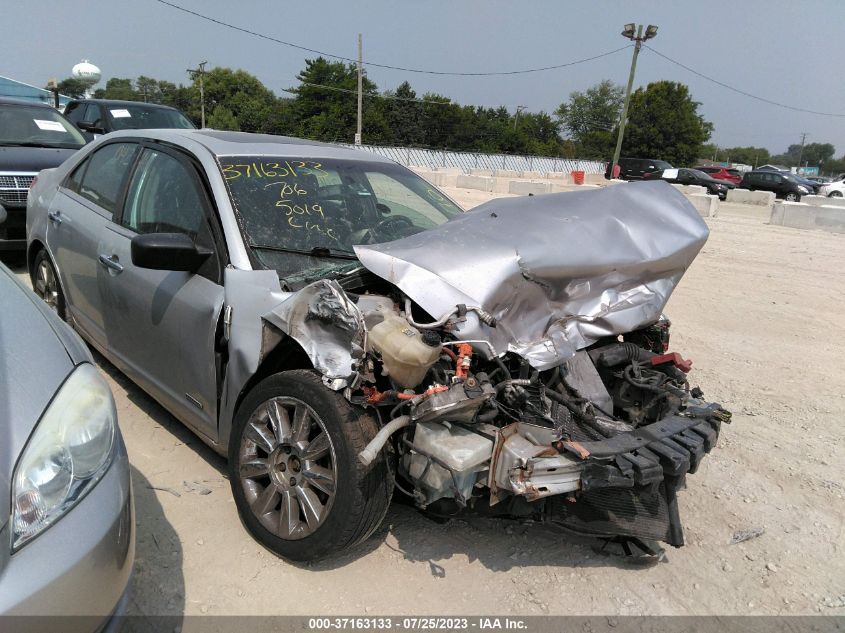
{"x": 67, "y": 538}
{"x": 336, "y": 326}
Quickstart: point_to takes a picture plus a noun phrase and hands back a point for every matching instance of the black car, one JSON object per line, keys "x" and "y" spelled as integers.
{"x": 686, "y": 176}
{"x": 101, "y": 116}
{"x": 33, "y": 136}
{"x": 636, "y": 168}
{"x": 783, "y": 185}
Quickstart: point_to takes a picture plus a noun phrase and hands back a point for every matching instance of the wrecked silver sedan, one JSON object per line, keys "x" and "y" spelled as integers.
{"x": 339, "y": 328}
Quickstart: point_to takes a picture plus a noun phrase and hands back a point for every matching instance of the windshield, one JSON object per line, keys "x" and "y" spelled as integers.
{"x": 143, "y": 117}
{"x": 38, "y": 127}
{"x": 699, "y": 174}
{"x": 296, "y": 213}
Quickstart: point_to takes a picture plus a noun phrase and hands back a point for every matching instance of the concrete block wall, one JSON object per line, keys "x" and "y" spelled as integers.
{"x": 691, "y": 189}
{"x": 706, "y": 205}
{"x": 744, "y": 196}
{"x": 824, "y": 201}
{"x": 523, "y": 188}
{"x": 482, "y": 183}
{"x": 800, "y": 215}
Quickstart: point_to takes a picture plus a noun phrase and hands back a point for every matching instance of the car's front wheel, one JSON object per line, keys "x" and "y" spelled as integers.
{"x": 45, "y": 283}
{"x": 835, "y": 194}
{"x": 791, "y": 197}
{"x": 293, "y": 465}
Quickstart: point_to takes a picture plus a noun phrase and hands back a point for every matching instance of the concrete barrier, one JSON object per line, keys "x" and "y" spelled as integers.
{"x": 800, "y": 215}
{"x": 523, "y": 188}
{"x": 594, "y": 179}
{"x": 437, "y": 178}
{"x": 691, "y": 189}
{"x": 509, "y": 173}
{"x": 744, "y": 196}
{"x": 481, "y": 172}
{"x": 482, "y": 183}
{"x": 707, "y": 206}
{"x": 824, "y": 201}
{"x": 559, "y": 175}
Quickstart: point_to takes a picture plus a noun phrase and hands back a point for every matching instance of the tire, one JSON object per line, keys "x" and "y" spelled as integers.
{"x": 792, "y": 197}
{"x": 46, "y": 284}
{"x": 317, "y": 480}
{"x": 835, "y": 194}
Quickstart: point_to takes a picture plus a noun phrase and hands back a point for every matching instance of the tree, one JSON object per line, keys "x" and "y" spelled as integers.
{"x": 71, "y": 87}
{"x": 589, "y": 118}
{"x": 663, "y": 122}
{"x": 222, "y": 119}
{"x": 118, "y": 88}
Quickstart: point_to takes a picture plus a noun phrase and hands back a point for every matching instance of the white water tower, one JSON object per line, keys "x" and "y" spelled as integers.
{"x": 88, "y": 73}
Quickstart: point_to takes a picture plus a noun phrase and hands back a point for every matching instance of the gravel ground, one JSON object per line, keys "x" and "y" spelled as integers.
{"x": 761, "y": 314}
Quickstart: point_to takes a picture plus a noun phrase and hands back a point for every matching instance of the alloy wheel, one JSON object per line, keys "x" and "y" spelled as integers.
{"x": 46, "y": 285}
{"x": 287, "y": 467}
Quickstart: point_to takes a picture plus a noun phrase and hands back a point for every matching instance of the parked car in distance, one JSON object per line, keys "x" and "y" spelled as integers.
{"x": 821, "y": 180}
{"x": 297, "y": 304}
{"x": 833, "y": 189}
{"x": 33, "y": 137}
{"x": 733, "y": 176}
{"x": 101, "y": 116}
{"x": 686, "y": 176}
{"x": 67, "y": 530}
{"x": 783, "y": 185}
{"x": 635, "y": 168}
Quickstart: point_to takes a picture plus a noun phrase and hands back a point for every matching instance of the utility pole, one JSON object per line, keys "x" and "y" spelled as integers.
{"x": 801, "y": 152}
{"x": 358, "y": 137}
{"x": 519, "y": 109}
{"x": 638, "y": 40}
{"x": 199, "y": 71}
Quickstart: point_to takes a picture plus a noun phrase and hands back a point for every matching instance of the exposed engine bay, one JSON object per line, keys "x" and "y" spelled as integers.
{"x": 589, "y": 444}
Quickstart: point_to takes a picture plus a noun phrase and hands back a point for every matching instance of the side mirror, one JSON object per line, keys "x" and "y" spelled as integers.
{"x": 90, "y": 127}
{"x": 167, "y": 251}
{"x": 383, "y": 208}
{"x": 3, "y": 214}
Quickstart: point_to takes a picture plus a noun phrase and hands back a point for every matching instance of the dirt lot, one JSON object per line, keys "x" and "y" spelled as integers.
{"x": 761, "y": 314}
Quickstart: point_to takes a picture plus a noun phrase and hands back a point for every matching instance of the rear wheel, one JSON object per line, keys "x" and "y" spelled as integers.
{"x": 46, "y": 285}
{"x": 835, "y": 194}
{"x": 294, "y": 470}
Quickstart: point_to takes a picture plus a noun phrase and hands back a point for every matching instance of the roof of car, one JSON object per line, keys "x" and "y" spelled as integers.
{"x": 221, "y": 143}
{"x": 118, "y": 102}
{"x": 24, "y": 102}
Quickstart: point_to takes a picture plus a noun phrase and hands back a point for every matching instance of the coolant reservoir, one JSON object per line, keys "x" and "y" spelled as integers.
{"x": 406, "y": 356}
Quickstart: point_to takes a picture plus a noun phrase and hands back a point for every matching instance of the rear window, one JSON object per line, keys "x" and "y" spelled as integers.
{"x": 142, "y": 117}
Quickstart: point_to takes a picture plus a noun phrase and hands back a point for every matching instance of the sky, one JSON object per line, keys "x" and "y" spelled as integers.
{"x": 785, "y": 51}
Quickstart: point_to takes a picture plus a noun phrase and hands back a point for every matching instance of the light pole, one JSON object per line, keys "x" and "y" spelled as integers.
{"x": 638, "y": 39}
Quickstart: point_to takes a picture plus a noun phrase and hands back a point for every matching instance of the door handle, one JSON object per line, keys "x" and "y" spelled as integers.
{"x": 55, "y": 217}
{"x": 111, "y": 263}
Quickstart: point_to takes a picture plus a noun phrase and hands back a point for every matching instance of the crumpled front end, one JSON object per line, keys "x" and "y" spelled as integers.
{"x": 517, "y": 359}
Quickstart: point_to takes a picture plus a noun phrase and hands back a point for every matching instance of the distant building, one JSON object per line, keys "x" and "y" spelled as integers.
{"x": 20, "y": 90}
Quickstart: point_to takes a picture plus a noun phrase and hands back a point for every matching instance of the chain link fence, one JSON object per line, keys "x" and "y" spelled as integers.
{"x": 435, "y": 158}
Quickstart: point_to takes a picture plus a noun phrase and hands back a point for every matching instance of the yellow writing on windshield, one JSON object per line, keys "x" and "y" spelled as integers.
{"x": 270, "y": 169}
{"x": 308, "y": 216}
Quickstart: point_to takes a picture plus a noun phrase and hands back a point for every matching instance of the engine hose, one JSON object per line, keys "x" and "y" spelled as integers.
{"x": 372, "y": 449}
{"x": 483, "y": 316}
{"x": 516, "y": 382}
{"x": 632, "y": 353}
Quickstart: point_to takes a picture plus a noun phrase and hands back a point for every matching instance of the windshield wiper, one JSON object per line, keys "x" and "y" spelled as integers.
{"x": 317, "y": 251}
{"x": 46, "y": 145}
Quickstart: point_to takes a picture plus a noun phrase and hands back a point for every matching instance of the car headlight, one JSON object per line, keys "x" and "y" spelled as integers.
{"x": 803, "y": 189}
{"x": 67, "y": 453}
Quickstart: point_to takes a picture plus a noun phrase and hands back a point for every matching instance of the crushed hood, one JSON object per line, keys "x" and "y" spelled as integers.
{"x": 557, "y": 271}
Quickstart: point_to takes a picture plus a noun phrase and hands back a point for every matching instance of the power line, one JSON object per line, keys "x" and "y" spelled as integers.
{"x": 368, "y": 63}
{"x": 742, "y": 92}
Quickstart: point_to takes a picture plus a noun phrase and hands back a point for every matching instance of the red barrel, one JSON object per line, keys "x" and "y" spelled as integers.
{"x": 578, "y": 177}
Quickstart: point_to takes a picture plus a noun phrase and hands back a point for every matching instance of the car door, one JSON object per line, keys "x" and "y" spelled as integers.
{"x": 162, "y": 326}
{"x": 82, "y": 209}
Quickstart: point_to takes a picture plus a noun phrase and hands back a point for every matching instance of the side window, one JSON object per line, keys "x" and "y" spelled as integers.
{"x": 74, "y": 182}
{"x": 106, "y": 173}
{"x": 75, "y": 112}
{"x": 165, "y": 196}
